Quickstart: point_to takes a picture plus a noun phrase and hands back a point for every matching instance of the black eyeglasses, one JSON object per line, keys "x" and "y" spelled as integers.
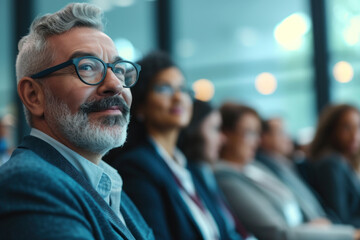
{"x": 92, "y": 70}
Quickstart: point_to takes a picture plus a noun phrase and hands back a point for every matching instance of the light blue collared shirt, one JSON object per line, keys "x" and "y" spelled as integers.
{"x": 103, "y": 178}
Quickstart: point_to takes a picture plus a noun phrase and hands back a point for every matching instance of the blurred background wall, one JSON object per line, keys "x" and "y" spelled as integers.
{"x": 286, "y": 58}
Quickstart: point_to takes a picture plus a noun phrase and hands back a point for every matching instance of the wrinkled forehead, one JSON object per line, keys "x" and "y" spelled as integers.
{"x": 81, "y": 41}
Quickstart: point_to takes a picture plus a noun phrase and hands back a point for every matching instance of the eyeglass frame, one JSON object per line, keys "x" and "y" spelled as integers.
{"x": 75, "y": 62}
{"x": 183, "y": 89}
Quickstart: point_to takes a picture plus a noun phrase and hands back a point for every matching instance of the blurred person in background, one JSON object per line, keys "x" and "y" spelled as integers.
{"x": 153, "y": 168}
{"x": 201, "y": 142}
{"x": 274, "y": 151}
{"x": 265, "y": 205}
{"x": 6, "y": 135}
{"x": 334, "y": 154}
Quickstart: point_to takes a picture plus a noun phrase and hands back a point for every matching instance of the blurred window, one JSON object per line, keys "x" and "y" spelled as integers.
{"x": 7, "y": 70}
{"x": 130, "y": 23}
{"x": 343, "y": 19}
{"x": 256, "y": 52}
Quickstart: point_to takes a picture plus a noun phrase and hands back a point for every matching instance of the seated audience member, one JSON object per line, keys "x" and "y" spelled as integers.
{"x": 334, "y": 149}
{"x": 275, "y": 146}
{"x": 201, "y": 142}
{"x": 263, "y": 203}
{"x": 55, "y": 185}
{"x": 154, "y": 171}
{"x": 6, "y": 127}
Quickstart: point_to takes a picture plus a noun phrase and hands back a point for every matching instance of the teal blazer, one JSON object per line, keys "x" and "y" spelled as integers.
{"x": 42, "y": 196}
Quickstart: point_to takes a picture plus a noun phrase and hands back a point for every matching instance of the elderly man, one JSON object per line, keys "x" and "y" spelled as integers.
{"x": 75, "y": 89}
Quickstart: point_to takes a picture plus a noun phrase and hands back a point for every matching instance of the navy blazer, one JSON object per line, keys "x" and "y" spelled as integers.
{"x": 339, "y": 187}
{"x": 151, "y": 185}
{"x": 42, "y": 196}
{"x": 213, "y": 198}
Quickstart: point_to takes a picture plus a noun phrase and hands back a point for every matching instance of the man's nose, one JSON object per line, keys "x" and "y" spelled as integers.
{"x": 111, "y": 84}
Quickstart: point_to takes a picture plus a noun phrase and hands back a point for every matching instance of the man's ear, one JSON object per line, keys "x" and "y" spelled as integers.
{"x": 32, "y": 96}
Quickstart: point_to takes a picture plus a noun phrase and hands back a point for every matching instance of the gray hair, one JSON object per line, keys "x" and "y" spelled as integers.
{"x": 34, "y": 52}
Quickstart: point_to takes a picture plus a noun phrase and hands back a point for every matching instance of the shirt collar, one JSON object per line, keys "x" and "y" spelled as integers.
{"x": 177, "y": 165}
{"x": 102, "y": 177}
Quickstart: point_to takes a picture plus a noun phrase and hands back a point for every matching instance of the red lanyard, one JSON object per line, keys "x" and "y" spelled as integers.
{"x": 194, "y": 197}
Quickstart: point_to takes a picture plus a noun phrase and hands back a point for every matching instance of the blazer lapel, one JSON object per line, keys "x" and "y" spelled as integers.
{"x": 51, "y": 155}
{"x": 134, "y": 220}
{"x": 173, "y": 186}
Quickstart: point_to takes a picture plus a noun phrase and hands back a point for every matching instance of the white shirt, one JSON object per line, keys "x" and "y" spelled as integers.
{"x": 203, "y": 219}
{"x": 103, "y": 178}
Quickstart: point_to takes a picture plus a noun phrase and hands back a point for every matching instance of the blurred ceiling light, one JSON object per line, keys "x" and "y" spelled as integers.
{"x": 351, "y": 33}
{"x": 265, "y": 83}
{"x": 343, "y": 72}
{"x": 289, "y": 33}
{"x": 204, "y": 89}
{"x": 107, "y": 5}
{"x": 125, "y": 48}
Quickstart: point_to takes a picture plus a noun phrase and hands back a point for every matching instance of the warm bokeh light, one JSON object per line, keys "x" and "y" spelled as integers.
{"x": 351, "y": 34}
{"x": 204, "y": 89}
{"x": 289, "y": 32}
{"x": 343, "y": 72}
{"x": 265, "y": 83}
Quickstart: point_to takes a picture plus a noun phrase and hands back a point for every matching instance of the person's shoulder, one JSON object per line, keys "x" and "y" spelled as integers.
{"x": 30, "y": 170}
{"x": 225, "y": 172}
{"x": 24, "y": 161}
{"x": 141, "y": 161}
{"x": 143, "y": 155}
{"x": 143, "y": 150}
{"x": 222, "y": 167}
{"x": 332, "y": 159}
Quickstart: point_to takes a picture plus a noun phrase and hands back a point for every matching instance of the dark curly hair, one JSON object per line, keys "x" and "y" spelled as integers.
{"x": 324, "y": 139}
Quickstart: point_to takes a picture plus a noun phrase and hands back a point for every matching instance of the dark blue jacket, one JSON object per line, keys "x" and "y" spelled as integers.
{"x": 339, "y": 187}
{"x": 42, "y": 196}
{"x": 151, "y": 185}
{"x": 215, "y": 198}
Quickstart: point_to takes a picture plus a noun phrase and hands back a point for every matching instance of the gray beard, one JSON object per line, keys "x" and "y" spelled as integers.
{"x": 97, "y": 137}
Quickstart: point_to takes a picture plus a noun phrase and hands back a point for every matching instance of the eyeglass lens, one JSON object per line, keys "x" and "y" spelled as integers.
{"x": 92, "y": 71}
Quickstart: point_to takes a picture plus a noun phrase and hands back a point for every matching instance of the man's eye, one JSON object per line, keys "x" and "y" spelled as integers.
{"x": 87, "y": 67}
{"x": 119, "y": 70}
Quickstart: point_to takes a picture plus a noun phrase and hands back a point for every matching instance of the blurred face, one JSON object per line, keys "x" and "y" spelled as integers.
{"x": 276, "y": 140}
{"x": 168, "y": 104}
{"x": 91, "y": 118}
{"x": 212, "y": 136}
{"x": 244, "y": 140}
{"x": 347, "y": 135}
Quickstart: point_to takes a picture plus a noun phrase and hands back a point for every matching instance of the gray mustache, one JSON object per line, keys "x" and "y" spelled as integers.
{"x": 105, "y": 103}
